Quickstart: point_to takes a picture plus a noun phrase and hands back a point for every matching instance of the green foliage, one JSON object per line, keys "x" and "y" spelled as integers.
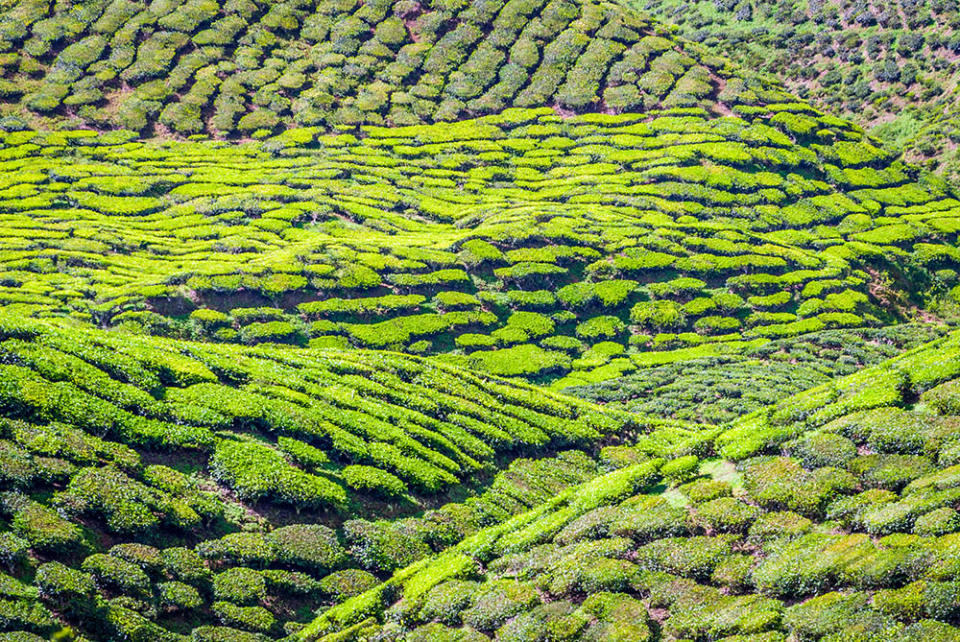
{"x": 516, "y": 192}
{"x": 310, "y": 546}
{"x": 67, "y": 587}
{"x": 239, "y": 586}
{"x": 680, "y": 469}
{"x": 378, "y": 547}
{"x": 657, "y": 315}
{"x": 373, "y": 480}
{"x": 342, "y": 585}
{"x": 257, "y": 472}
{"x": 178, "y": 596}
{"x": 44, "y": 528}
{"x": 246, "y": 549}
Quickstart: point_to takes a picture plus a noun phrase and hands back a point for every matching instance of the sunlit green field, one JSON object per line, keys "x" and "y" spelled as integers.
{"x": 457, "y": 321}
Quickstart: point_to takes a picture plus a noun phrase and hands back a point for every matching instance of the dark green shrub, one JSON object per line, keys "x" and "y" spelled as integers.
{"x": 607, "y": 574}
{"x": 808, "y": 564}
{"x": 618, "y": 617}
{"x": 342, "y": 585}
{"x": 240, "y": 586}
{"x": 17, "y": 467}
{"x": 945, "y": 398}
{"x": 20, "y": 636}
{"x": 818, "y": 449}
{"x": 436, "y": 632}
{"x": 44, "y": 528}
{"x": 649, "y": 518}
{"x": 255, "y": 121}
{"x": 256, "y": 471}
{"x": 906, "y": 603}
{"x": 445, "y": 602}
{"x": 780, "y": 483}
{"x": 881, "y": 567}
{"x": 887, "y": 430}
{"x": 383, "y": 547}
{"x": 290, "y": 583}
{"x": 734, "y": 572}
{"x": 66, "y": 588}
{"x": 309, "y": 546}
{"x": 726, "y": 515}
{"x": 247, "y": 549}
{"x": 224, "y": 634}
{"x": 146, "y": 557}
{"x": 177, "y": 596}
{"x": 941, "y": 600}
{"x": 28, "y": 615}
{"x": 833, "y": 613}
{"x": 498, "y": 601}
{"x": 891, "y": 472}
{"x": 928, "y": 631}
{"x": 693, "y": 557}
{"x": 13, "y": 550}
{"x": 185, "y": 565}
{"x": 850, "y": 510}
{"x": 779, "y": 524}
{"x": 592, "y": 525}
{"x": 937, "y": 522}
{"x": 249, "y": 618}
{"x": 614, "y": 457}
{"x": 699, "y": 612}
{"x": 127, "y": 506}
{"x": 706, "y": 489}
{"x": 119, "y": 575}
{"x": 558, "y": 620}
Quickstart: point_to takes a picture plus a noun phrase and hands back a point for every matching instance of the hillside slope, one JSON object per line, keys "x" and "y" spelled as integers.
{"x": 290, "y": 293}
{"x": 151, "y": 487}
{"x": 715, "y": 213}
{"x": 888, "y": 66}
{"x": 526, "y": 243}
{"x": 719, "y": 389}
{"x": 242, "y": 68}
{"x": 829, "y": 515}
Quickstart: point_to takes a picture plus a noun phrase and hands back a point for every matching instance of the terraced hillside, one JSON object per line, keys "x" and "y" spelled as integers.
{"x": 829, "y": 515}
{"x": 153, "y": 487}
{"x": 306, "y": 309}
{"x": 720, "y": 389}
{"x": 889, "y": 66}
{"x": 246, "y": 68}
{"x": 523, "y": 243}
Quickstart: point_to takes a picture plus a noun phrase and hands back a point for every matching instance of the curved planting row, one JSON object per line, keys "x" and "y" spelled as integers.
{"x": 152, "y": 489}
{"x": 831, "y": 515}
{"x": 249, "y": 69}
{"x": 524, "y": 243}
{"x": 307, "y": 429}
{"x": 719, "y": 389}
{"x": 885, "y": 65}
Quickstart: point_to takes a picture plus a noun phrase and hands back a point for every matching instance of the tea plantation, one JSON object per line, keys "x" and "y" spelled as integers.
{"x": 459, "y": 320}
{"x": 525, "y": 244}
{"x": 829, "y": 515}
{"x": 889, "y": 66}
{"x": 246, "y": 68}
